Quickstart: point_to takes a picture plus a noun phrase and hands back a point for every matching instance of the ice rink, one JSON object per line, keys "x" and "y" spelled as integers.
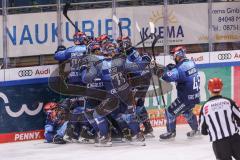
{"x": 181, "y": 148}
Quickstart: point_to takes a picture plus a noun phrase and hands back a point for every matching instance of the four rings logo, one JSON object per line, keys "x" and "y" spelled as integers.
{"x": 225, "y": 56}
{"x": 25, "y": 73}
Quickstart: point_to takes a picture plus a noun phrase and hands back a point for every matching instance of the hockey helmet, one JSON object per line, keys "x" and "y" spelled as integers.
{"x": 50, "y": 106}
{"x": 179, "y": 51}
{"x": 79, "y": 38}
{"x": 109, "y": 50}
{"x": 103, "y": 39}
{"x": 215, "y": 85}
{"x": 95, "y": 48}
{"x": 124, "y": 42}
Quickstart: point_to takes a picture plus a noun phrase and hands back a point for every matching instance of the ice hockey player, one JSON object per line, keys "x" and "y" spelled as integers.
{"x": 113, "y": 72}
{"x": 220, "y": 119}
{"x": 55, "y": 126}
{"x": 185, "y": 74}
{"x": 74, "y": 54}
{"x": 133, "y": 55}
{"x": 78, "y": 127}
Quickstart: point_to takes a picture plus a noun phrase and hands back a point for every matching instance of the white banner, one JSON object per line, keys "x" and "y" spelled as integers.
{"x": 225, "y": 56}
{"x": 27, "y": 72}
{"x": 2, "y": 76}
{"x": 36, "y": 33}
{"x": 1, "y": 39}
{"x": 199, "y": 58}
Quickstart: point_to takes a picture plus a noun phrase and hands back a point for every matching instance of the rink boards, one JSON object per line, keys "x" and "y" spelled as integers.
{"x": 24, "y": 91}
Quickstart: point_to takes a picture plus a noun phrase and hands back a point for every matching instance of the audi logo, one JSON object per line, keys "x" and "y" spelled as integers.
{"x": 25, "y": 73}
{"x": 224, "y": 56}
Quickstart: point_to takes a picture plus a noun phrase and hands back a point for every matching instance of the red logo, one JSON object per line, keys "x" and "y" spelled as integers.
{"x": 42, "y": 72}
{"x": 206, "y": 110}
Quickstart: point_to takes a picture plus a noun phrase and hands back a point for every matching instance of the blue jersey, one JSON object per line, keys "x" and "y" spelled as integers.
{"x": 97, "y": 83}
{"x": 74, "y": 54}
{"x": 134, "y": 56}
{"x": 113, "y": 72}
{"x": 185, "y": 74}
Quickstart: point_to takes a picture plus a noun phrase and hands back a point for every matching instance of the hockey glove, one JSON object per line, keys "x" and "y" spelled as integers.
{"x": 60, "y": 48}
{"x": 159, "y": 70}
{"x": 170, "y": 66}
{"x": 146, "y": 58}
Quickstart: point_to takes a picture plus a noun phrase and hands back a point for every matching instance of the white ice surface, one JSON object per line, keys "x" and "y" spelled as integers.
{"x": 181, "y": 148}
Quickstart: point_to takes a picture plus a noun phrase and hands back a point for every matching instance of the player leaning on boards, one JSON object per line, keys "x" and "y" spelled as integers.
{"x": 185, "y": 75}
{"x": 220, "y": 119}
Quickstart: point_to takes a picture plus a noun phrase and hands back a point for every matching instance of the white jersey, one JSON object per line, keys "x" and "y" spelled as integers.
{"x": 219, "y": 117}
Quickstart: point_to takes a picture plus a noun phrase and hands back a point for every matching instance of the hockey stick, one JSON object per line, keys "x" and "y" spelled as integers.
{"x": 144, "y": 49}
{"x": 65, "y": 10}
{"x": 117, "y": 21}
{"x": 159, "y": 81}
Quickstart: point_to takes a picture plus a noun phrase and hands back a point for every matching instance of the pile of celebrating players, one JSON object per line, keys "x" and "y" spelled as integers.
{"x": 106, "y": 84}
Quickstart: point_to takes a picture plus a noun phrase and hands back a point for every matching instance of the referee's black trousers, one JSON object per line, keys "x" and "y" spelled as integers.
{"x": 226, "y": 148}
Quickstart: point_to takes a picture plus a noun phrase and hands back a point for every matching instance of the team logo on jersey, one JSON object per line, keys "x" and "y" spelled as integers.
{"x": 169, "y": 73}
{"x": 24, "y": 108}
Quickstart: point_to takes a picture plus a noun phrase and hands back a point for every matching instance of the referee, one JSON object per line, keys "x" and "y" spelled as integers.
{"x": 220, "y": 119}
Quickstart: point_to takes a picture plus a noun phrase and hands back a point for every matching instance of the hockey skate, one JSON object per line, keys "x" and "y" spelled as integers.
{"x": 69, "y": 139}
{"x": 86, "y": 137}
{"x": 58, "y": 140}
{"x": 148, "y": 131}
{"x": 167, "y": 136}
{"x": 193, "y": 133}
{"x": 138, "y": 139}
{"x": 70, "y": 136}
{"x": 104, "y": 141}
{"x": 127, "y": 137}
{"x": 86, "y": 140}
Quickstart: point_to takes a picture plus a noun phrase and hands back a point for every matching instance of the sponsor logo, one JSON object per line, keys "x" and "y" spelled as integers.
{"x": 156, "y": 122}
{"x": 24, "y": 108}
{"x": 224, "y": 56}
{"x": 25, "y": 73}
{"x": 22, "y": 136}
{"x": 206, "y": 110}
{"x": 26, "y": 136}
{"x": 42, "y": 72}
{"x": 197, "y": 59}
{"x": 237, "y": 56}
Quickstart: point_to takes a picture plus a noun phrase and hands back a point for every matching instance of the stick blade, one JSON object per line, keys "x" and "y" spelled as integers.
{"x": 152, "y": 27}
{"x": 137, "y": 26}
{"x": 66, "y": 7}
{"x": 115, "y": 19}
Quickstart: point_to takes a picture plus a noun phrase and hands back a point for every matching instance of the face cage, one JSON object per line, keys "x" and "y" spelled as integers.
{"x": 82, "y": 102}
{"x": 109, "y": 53}
{"x": 78, "y": 40}
{"x": 126, "y": 44}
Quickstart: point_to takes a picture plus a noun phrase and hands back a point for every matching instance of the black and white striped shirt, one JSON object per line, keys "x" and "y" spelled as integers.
{"x": 219, "y": 117}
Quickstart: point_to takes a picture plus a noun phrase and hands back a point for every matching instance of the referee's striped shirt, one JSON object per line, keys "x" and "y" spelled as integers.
{"x": 219, "y": 117}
